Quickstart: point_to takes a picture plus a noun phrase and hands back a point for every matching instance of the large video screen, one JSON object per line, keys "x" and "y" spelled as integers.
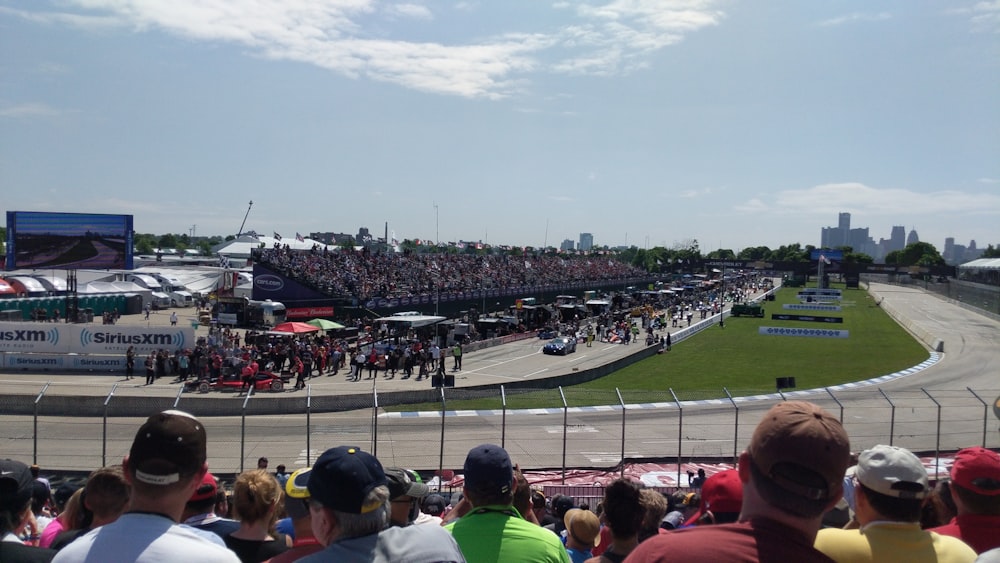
{"x": 38, "y": 239}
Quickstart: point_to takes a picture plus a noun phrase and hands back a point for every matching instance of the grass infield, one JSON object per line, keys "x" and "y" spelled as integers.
{"x": 743, "y": 361}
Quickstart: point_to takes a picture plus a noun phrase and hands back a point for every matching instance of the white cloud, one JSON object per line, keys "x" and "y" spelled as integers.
{"x": 600, "y": 39}
{"x": 563, "y": 198}
{"x": 28, "y": 110}
{"x": 984, "y": 16}
{"x": 830, "y": 199}
{"x": 855, "y": 17}
{"x": 988, "y": 181}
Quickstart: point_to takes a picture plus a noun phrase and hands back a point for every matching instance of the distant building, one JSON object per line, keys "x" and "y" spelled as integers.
{"x": 897, "y": 240}
{"x": 912, "y": 238}
{"x": 566, "y": 245}
{"x": 586, "y": 241}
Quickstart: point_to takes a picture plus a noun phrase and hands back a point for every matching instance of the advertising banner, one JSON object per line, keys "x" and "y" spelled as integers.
{"x": 807, "y": 332}
{"x": 40, "y": 338}
{"x": 308, "y": 312}
{"x": 808, "y": 318}
{"x": 60, "y": 362}
{"x": 810, "y": 307}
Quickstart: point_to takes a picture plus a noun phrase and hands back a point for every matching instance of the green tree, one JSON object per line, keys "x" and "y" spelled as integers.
{"x": 990, "y": 252}
{"x": 144, "y": 243}
{"x": 916, "y": 254}
{"x": 755, "y": 253}
{"x": 721, "y": 254}
{"x": 168, "y": 241}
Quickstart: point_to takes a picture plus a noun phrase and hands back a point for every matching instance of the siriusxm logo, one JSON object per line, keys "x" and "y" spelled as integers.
{"x": 50, "y": 336}
{"x": 268, "y": 282}
{"x": 148, "y": 339}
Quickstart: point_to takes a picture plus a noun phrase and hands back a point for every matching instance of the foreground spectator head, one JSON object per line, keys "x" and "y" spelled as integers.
{"x": 489, "y": 476}
{"x": 256, "y": 496}
{"x": 434, "y": 505}
{"x": 893, "y": 482}
{"x": 654, "y": 506}
{"x": 348, "y": 493}
{"x": 168, "y": 450}
{"x": 798, "y": 456}
{"x": 404, "y": 495}
{"x": 16, "y": 487}
{"x": 106, "y": 494}
{"x": 977, "y": 471}
{"x": 975, "y": 488}
{"x": 583, "y": 529}
{"x": 721, "y": 499}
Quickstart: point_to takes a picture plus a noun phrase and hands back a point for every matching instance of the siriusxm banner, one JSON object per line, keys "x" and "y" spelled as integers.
{"x": 42, "y": 338}
{"x": 808, "y": 332}
{"x": 57, "y": 362}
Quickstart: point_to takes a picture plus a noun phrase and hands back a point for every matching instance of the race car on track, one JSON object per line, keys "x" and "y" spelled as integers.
{"x": 561, "y": 345}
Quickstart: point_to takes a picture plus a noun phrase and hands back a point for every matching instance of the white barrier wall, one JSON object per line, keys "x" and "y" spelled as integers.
{"x": 12, "y": 361}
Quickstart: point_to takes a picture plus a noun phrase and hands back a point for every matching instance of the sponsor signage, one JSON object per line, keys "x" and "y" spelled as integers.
{"x": 308, "y": 312}
{"x": 810, "y": 307}
{"x": 809, "y": 318}
{"x": 56, "y": 362}
{"x": 806, "y": 332}
{"x": 827, "y": 253}
{"x": 36, "y": 338}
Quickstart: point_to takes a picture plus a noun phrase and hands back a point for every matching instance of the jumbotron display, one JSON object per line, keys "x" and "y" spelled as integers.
{"x": 38, "y": 240}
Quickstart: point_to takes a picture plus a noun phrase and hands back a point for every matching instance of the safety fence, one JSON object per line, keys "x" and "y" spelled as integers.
{"x": 557, "y": 429}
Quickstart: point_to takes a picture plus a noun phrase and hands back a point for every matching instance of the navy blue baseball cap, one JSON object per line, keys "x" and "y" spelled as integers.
{"x": 488, "y": 469}
{"x": 342, "y": 478}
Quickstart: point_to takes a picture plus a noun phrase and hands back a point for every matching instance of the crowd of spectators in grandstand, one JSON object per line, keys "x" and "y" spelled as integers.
{"x": 794, "y": 496}
{"x": 366, "y": 275}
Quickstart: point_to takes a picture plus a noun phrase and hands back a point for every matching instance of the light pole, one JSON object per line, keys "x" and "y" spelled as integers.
{"x": 437, "y": 234}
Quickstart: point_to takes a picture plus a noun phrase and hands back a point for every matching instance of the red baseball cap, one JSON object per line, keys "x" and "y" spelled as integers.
{"x": 722, "y": 492}
{"x": 978, "y": 470}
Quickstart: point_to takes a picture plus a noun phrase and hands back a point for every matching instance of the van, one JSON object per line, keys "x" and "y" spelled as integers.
{"x": 159, "y": 300}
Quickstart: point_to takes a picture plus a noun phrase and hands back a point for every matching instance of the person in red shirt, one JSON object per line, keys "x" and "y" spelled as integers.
{"x": 975, "y": 488}
{"x": 792, "y": 473}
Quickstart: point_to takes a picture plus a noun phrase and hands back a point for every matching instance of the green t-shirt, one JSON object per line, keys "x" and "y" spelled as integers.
{"x": 496, "y": 533}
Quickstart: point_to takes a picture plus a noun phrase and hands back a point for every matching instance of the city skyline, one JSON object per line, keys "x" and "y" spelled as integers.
{"x": 732, "y": 123}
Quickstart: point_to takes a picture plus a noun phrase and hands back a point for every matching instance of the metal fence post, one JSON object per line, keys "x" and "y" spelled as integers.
{"x": 986, "y": 412}
{"x": 937, "y": 432}
{"x": 104, "y": 437}
{"x": 177, "y": 399}
{"x": 34, "y": 433}
{"x": 243, "y": 428}
{"x": 892, "y": 415}
{"x": 736, "y": 427}
{"x": 565, "y": 431}
{"x": 622, "y": 403}
{"x": 836, "y": 400}
{"x": 680, "y": 432}
{"x": 374, "y": 421}
{"x": 441, "y": 450}
{"x": 503, "y": 417}
{"x": 308, "y": 425}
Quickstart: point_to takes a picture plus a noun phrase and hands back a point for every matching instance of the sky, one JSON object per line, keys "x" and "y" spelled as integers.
{"x": 522, "y": 122}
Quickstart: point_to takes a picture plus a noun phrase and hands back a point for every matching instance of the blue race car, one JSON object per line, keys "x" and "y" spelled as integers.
{"x": 562, "y": 345}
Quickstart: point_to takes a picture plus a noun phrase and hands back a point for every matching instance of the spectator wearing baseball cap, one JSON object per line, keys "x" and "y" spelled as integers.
{"x": 349, "y": 506}
{"x": 199, "y": 512}
{"x": 721, "y": 499}
{"x": 297, "y": 508}
{"x": 583, "y": 530}
{"x": 791, "y": 473}
{"x": 891, "y": 487}
{"x": 16, "y": 488}
{"x": 493, "y": 531}
{"x": 975, "y": 488}
{"x": 165, "y": 465}
{"x": 405, "y": 493}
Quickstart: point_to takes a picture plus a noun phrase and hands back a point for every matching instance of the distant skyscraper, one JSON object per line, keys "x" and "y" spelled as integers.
{"x": 844, "y": 222}
{"x": 912, "y": 238}
{"x": 586, "y": 241}
{"x": 897, "y": 240}
{"x": 566, "y": 245}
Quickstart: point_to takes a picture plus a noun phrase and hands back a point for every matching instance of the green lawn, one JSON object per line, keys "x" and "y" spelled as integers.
{"x": 744, "y": 362}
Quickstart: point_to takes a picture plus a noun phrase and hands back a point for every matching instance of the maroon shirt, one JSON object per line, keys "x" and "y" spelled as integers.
{"x": 757, "y": 540}
{"x": 981, "y": 532}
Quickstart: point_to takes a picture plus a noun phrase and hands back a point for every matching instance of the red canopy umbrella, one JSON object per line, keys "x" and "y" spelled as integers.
{"x": 295, "y": 328}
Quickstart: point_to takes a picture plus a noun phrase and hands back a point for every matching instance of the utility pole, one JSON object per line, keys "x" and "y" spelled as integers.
{"x": 243, "y": 224}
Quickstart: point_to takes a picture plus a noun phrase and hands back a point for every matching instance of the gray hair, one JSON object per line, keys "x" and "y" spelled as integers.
{"x": 359, "y": 525}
